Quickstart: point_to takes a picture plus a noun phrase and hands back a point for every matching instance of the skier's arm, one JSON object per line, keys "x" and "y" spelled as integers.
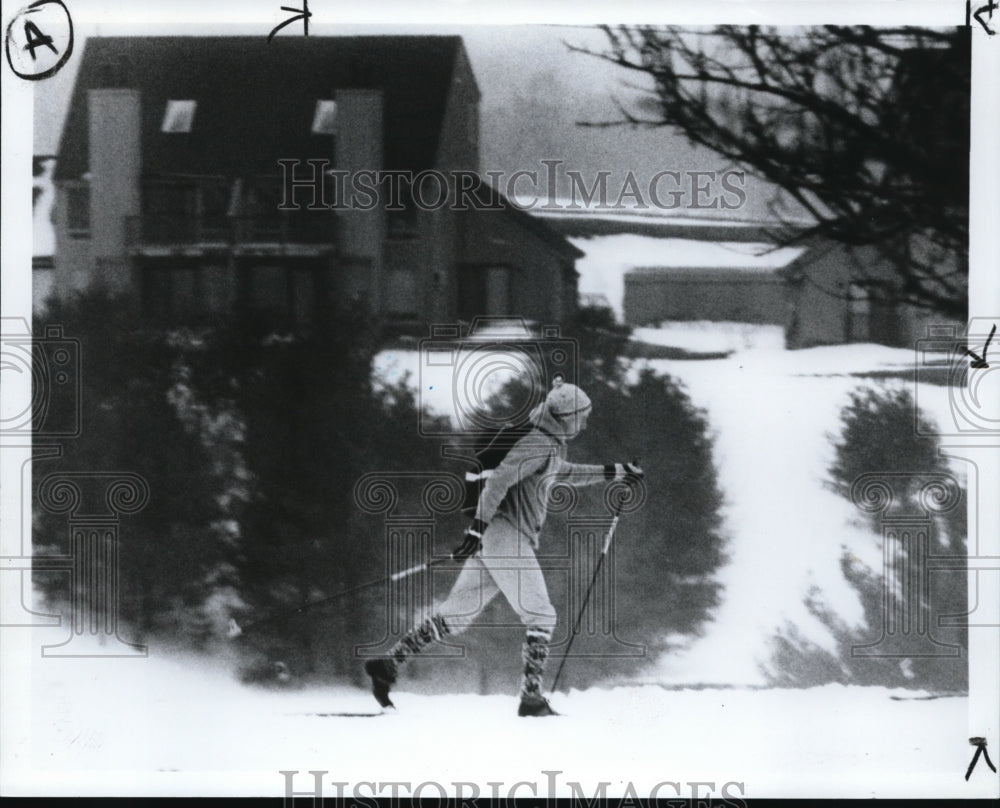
{"x": 582, "y": 474}
{"x": 523, "y": 459}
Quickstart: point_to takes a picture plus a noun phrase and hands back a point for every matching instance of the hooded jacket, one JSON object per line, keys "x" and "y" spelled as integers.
{"x": 518, "y": 490}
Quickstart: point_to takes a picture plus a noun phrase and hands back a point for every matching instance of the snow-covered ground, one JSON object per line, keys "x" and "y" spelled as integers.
{"x": 176, "y": 726}
{"x": 171, "y": 725}
{"x": 773, "y": 412}
{"x": 703, "y": 336}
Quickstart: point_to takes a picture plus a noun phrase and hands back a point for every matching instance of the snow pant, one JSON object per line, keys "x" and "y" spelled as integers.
{"x": 506, "y": 564}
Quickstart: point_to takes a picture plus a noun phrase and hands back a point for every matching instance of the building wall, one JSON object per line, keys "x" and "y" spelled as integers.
{"x": 721, "y": 296}
{"x": 820, "y": 312}
{"x": 113, "y": 189}
{"x": 536, "y": 285}
{"x": 440, "y": 278}
{"x": 413, "y": 277}
{"x": 424, "y": 269}
{"x": 115, "y": 168}
{"x": 458, "y": 147}
{"x": 359, "y": 147}
{"x": 73, "y": 257}
{"x": 418, "y": 271}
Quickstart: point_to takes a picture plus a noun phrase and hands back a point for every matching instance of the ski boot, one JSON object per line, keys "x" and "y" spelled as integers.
{"x": 535, "y": 708}
{"x": 383, "y": 675}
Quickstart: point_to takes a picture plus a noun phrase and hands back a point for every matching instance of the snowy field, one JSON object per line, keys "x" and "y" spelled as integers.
{"x": 173, "y": 725}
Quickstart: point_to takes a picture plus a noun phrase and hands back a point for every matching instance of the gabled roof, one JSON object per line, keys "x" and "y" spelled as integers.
{"x": 256, "y": 100}
{"x": 489, "y": 198}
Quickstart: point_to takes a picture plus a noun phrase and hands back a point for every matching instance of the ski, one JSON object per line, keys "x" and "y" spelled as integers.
{"x": 341, "y": 715}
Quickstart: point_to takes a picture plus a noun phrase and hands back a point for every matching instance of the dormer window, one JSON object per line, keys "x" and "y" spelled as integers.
{"x": 325, "y": 118}
{"x": 178, "y": 117}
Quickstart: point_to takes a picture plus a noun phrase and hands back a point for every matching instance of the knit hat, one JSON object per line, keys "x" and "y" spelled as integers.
{"x": 563, "y": 410}
{"x": 565, "y": 399}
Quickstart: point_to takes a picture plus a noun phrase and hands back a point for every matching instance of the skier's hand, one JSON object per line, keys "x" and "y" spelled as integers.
{"x": 472, "y": 541}
{"x": 629, "y": 472}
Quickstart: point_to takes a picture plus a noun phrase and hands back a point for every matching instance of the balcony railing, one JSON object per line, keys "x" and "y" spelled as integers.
{"x": 164, "y": 230}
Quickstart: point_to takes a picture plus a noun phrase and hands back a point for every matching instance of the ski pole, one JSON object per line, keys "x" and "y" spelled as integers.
{"x": 235, "y": 630}
{"x": 586, "y": 598}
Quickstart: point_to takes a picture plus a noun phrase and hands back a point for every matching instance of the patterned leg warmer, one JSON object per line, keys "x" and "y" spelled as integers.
{"x": 416, "y": 639}
{"x": 534, "y": 654}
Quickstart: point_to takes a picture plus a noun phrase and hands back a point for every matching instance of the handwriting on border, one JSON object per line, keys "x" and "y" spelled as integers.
{"x": 300, "y": 14}
{"x": 39, "y": 45}
{"x": 988, "y": 10}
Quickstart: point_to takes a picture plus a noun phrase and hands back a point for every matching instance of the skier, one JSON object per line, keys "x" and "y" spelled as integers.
{"x": 501, "y": 542}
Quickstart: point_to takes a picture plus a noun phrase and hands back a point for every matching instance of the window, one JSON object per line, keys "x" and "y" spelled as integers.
{"x": 78, "y": 211}
{"x": 858, "y": 313}
{"x": 402, "y": 292}
{"x": 325, "y": 118}
{"x": 178, "y": 291}
{"x": 178, "y": 117}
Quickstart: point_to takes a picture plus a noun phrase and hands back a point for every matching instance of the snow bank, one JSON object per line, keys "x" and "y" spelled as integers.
{"x": 708, "y": 337}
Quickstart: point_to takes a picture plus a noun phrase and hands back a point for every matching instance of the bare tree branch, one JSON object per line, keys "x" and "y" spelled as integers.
{"x": 865, "y": 129}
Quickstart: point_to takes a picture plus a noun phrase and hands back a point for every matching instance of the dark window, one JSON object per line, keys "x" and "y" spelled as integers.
{"x": 78, "y": 211}
{"x": 471, "y": 291}
{"x": 178, "y": 292}
{"x": 186, "y": 210}
{"x": 287, "y": 296}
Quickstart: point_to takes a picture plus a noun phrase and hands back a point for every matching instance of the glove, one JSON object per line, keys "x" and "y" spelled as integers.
{"x": 472, "y": 541}
{"x": 629, "y": 472}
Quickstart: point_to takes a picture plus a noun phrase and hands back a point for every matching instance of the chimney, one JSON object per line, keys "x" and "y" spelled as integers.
{"x": 359, "y": 148}
{"x": 115, "y": 165}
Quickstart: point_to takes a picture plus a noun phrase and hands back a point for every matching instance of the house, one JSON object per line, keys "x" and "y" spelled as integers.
{"x": 651, "y": 266}
{"x": 715, "y": 281}
{"x": 654, "y": 267}
{"x": 218, "y": 176}
{"x": 827, "y": 306}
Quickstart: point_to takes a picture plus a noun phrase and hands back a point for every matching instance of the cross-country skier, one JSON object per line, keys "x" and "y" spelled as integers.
{"x": 501, "y": 543}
